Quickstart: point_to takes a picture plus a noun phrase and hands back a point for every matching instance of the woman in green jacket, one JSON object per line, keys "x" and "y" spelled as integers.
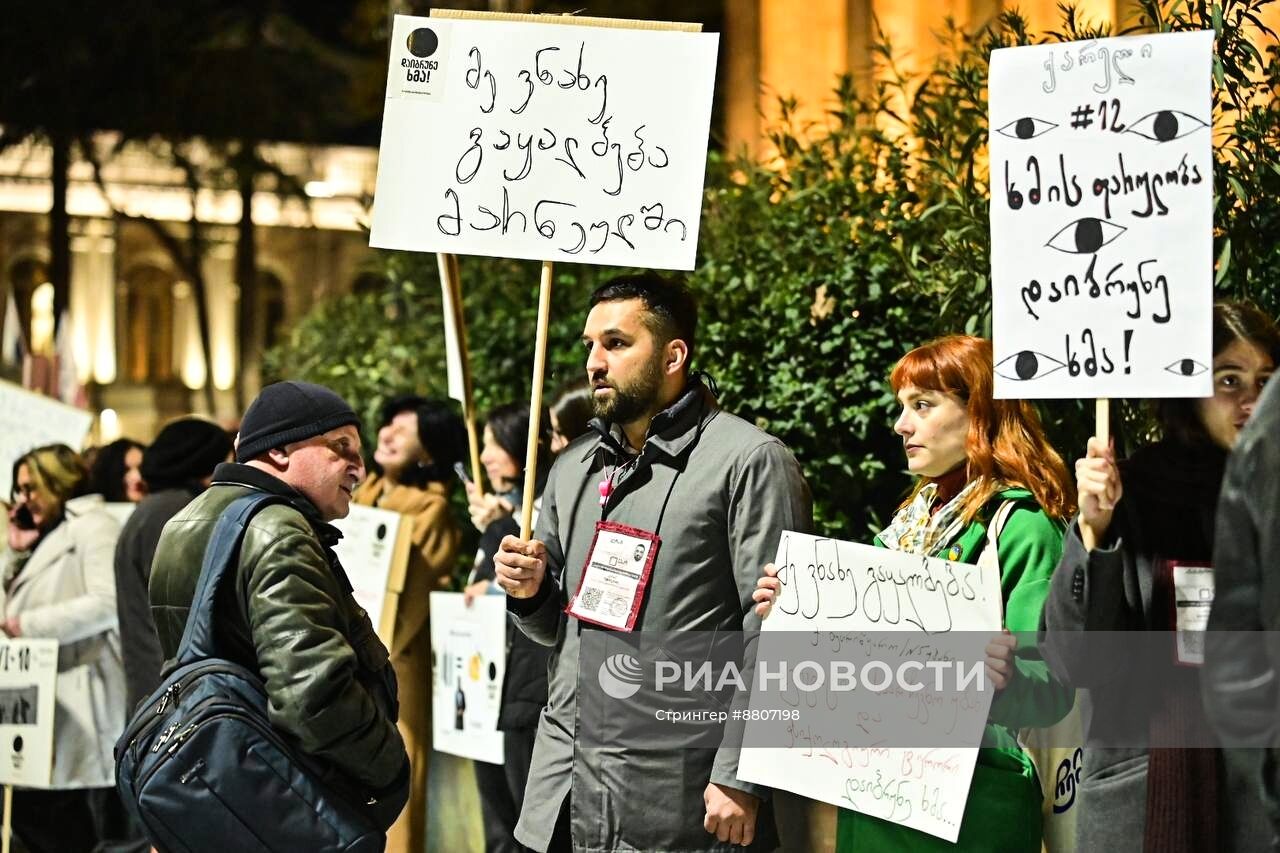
{"x": 981, "y": 463}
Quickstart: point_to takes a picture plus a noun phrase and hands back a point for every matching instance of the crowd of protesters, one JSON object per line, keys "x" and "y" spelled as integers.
{"x": 641, "y": 447}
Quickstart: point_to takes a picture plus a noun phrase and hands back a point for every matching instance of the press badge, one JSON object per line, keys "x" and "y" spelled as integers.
{"x": 1192, "y": 600}
{"x": 615, "y": 576}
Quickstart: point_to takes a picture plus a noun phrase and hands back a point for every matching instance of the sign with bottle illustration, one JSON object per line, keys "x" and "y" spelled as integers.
{"x": 468, "y": 663}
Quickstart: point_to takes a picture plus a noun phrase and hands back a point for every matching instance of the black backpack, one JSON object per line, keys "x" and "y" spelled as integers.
{"x": 199, "y": 764}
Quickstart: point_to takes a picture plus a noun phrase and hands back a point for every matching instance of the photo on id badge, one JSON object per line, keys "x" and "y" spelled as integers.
{"x": 615, "y": 576}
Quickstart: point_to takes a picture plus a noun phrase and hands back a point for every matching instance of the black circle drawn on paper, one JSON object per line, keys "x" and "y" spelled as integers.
{"x": 423, "y": 42}
{"x": 1027, "y": 364}
{"x": 493, "y": 670}
{"x": 1165, "y": 126}
{"x": 1025, "y": 128}
{"x": 17, "y": 743}
{"x": 382, "y": 532}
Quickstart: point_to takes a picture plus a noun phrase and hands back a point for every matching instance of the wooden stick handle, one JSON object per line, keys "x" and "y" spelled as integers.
{"x": 451, "y": 282}
{"x": 535, "y": 401}
{"x": 1102, "y": 419}
{"x": 7, "y": 830}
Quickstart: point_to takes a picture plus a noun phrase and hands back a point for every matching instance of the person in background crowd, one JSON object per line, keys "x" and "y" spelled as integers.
{"x": 524, "y": 685}
{"x": 294, "y": 621}
{"x": 1140, "y": 518}
{"x": 570, "y": 414}
{"x": 117, "y": 472}
{"x": 985, "y": 470}
{"x": 707, "y": 495}
{"x": 58, "y": 585}
{"x": 177, "y": 466}
{"x": 1240, "y": 660}
{"x": 419, "y": 441}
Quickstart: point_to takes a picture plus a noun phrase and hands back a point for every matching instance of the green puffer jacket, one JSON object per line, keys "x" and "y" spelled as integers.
{"x": 1003, "y": 810}
{"x": 291, "y": 618}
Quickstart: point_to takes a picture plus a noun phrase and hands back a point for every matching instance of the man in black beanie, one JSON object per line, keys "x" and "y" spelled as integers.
{"x": 290, "y": 615}
{"x": 176, "y": 467}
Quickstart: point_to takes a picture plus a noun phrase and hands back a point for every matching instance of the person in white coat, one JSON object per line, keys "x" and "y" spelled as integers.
{"x": 59, "y": 584}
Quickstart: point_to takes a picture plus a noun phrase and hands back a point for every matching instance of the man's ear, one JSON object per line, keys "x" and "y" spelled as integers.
{"x": 677, "y": 357}
{"x": 279, "y": 457}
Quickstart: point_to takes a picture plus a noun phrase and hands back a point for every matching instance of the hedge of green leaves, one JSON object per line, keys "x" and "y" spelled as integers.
{"x": 865, "y": 237}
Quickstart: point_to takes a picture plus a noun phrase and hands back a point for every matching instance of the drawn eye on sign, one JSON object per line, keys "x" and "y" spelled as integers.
{"x": 1027, "y": 127}
{"x": 1085, "y": 236}
{"x": 1186, "y": 367}
{"x": 1166, "y": 125}
{"x": 1028, "y": 365}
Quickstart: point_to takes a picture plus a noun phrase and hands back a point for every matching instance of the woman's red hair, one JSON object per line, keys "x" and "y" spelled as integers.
{"x": 1006, "y": 445}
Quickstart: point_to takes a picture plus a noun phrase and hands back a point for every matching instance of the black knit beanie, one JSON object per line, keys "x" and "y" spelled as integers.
{"x": 287, "y": 412}
{"x": 185, "y": 451}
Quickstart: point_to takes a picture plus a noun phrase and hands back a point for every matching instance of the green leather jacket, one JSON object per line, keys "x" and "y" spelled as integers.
{"x": 290, "y": 617}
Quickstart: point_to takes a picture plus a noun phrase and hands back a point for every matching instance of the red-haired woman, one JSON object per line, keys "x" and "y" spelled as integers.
{"x": 979, "y": 461}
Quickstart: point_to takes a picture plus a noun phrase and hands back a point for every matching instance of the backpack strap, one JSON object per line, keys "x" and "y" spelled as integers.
{"x": 990, "y": 556}
{"x": 220, "y": 554}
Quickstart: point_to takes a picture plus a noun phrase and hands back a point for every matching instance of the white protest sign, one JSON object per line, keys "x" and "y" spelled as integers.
{"x": 544, "y": 141}
{"x": 29, "y": 420}
{"x": 373, "y": 562}
{"x": 846, "y": 594}
{"x": 468, "y": 663}
{"x": 1102, "y": 218}
{"x": 28, "y": 673}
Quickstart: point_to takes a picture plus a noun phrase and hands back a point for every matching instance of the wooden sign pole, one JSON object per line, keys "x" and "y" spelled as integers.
{"x": 6, "y": 831}
{"x": 535, "y": 401}
{"x": 1102, "y": 419}
{"x": 451, "y": 284}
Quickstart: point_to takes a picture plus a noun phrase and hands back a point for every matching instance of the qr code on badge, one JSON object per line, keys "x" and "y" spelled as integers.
{"x": 591, "y": 599}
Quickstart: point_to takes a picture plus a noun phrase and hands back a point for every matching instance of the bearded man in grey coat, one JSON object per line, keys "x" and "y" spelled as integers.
{"x": 703, "y": 496}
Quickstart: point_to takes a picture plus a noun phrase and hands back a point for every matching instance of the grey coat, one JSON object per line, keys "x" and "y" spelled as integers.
{"x": 1243, "y": 647}
{"x": 732, "y": 490}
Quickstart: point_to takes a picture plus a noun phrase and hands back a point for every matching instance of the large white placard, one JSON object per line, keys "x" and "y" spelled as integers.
{"x": 1102, "y": 218}
{"x": 468, "y": 663}
{"x": 843, "y": 590}
{"x": 368, "y": 554}
{"x": 30, "y": 420}
{"x": 544, "y": 141}
{"x": 28, "y": 673}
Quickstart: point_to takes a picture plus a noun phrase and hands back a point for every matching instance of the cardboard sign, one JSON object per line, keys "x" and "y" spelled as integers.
{"x": 374, "y": 550}
{"x": 841, "y": 590}
{"x": 28, "y": 673}
{"x": 544, "y": 141}
{"x": 29, "y": 420}
{"x": 1102, "y": 218}
{"x": 468, "y": 663}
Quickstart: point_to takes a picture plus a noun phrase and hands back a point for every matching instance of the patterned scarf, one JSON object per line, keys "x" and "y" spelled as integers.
{"x": 916, "y": 530}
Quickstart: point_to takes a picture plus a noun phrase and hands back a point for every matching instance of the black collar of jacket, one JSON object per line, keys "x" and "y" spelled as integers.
{"x": 235, "y": 474}
{"x": 671, "y": 432}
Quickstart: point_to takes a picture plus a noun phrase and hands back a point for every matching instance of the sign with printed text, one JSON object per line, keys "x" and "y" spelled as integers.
{"x": 29, "y": 420}
{"x": 845, "y": 594}
{"x": 544, "y": 141}
{"x": 1102, "y": 217}
{"x": 28, "y": 673}
{"x": 468, "y": 664}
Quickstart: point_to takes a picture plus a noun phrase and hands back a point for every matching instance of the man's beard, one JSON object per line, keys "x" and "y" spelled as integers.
{"x": 632, "y": 401}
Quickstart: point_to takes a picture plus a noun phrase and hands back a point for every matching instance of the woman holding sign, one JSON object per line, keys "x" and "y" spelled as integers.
{"x": 419, "y": 441}
{"x": 987, "y": 476}
{"x": 1138, "y": 559}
